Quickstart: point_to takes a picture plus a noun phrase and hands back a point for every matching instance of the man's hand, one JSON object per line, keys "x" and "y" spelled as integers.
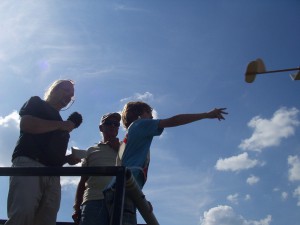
{"x": 76, "y": 216}
{"x": 67, "y": 126}
{"x": 76, "y": 118}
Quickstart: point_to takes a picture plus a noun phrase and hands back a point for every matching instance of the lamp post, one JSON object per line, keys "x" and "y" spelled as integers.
{"x": 258, "y": 67}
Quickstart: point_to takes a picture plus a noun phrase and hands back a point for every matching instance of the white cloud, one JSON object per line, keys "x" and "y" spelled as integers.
{"x": 225, "y": 215}
{"x": 294, "y": 170}
{"x": 12, "y": 120}
{"x": 252, "y": 180}
{"x": 296, "y": 194}
{"x": 284, "y": 195}
{"x": 69, "y": 182}
{"x": 121, "y": 7}
{"x": 247, "y": 197}
{"x": 236, "y": 163}
{"x": 9, "y": 131}
{"x": 146, "y": 97}
{"x": 270, "y": 132}
{"x": 233, "y": 198}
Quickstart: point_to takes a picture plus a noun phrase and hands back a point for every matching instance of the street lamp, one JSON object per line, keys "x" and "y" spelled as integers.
{"x": 258, "y": 67}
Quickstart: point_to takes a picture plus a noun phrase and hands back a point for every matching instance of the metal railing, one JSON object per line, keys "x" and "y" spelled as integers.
{"x": 118, "y": 171}
{"x": 2, "y": 222}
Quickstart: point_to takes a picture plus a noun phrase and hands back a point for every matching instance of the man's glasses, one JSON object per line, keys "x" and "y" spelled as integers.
{"x": 111, "y": 123}
{"x": 69, "y": 104}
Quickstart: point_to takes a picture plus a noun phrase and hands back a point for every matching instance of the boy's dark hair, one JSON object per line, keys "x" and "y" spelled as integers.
{"x": 132, "y": 111}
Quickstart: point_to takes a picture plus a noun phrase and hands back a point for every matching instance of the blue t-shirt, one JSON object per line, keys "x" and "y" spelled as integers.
{"x": 139, "y": 138}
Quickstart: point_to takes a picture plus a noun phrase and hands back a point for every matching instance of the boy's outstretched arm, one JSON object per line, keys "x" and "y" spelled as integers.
{"x": 181, "y": 119}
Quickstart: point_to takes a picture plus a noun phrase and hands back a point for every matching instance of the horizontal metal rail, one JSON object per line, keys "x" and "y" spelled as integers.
{"x": 63, "y": 171}
{"x": 118, "y": 171}
{"x": 2, "y": 222}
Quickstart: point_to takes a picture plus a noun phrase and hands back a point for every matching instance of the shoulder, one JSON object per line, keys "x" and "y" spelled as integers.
{"x": 99, "y": 148}
{"x": 101, "y": 155}
{"x": 31, "y": 106}
{"x": 146, "y": 122}
{"x": 105, "y": 148}
{"x": 145, "y": 127}
{"x": 92, "y": 149}
{"x": 34, "y": 100}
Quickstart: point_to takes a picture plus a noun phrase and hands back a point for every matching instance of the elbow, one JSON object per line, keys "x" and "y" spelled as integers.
{"x": 25, "y": 124}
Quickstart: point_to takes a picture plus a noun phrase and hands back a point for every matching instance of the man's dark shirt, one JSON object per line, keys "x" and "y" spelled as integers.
{"x": 48, "y": 148}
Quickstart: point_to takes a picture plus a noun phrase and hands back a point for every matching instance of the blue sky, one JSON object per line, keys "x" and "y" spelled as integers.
{"x": 180, "y": 57}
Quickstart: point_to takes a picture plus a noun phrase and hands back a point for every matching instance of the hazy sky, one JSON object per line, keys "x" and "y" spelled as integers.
{"x": 180, "y": 57}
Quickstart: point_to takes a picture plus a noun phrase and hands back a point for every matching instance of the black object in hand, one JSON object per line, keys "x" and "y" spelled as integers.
{"x": 76, "y": 118}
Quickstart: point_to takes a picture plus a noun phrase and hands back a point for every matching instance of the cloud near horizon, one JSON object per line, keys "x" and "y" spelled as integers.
{"x": 9, "y": 131}
{"x": 11, "y": 120}
{"x": 225, "y": 215}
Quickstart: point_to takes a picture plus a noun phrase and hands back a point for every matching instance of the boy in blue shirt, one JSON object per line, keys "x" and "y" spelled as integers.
{"x": 141, "y": 128}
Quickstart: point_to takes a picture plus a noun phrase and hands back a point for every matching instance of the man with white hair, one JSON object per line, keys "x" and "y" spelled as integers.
{"x": 43, "y": 141}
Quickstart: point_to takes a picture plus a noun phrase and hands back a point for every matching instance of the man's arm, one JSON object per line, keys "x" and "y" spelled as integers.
{"x": 36, "y": 125}
{"x": 79, "y": 199}
{"x": 182, "y": 119}
{"x": 72, "y": 160}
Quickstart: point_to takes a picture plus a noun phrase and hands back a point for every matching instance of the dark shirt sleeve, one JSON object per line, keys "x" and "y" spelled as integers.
{"x": 31, "y": 107}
